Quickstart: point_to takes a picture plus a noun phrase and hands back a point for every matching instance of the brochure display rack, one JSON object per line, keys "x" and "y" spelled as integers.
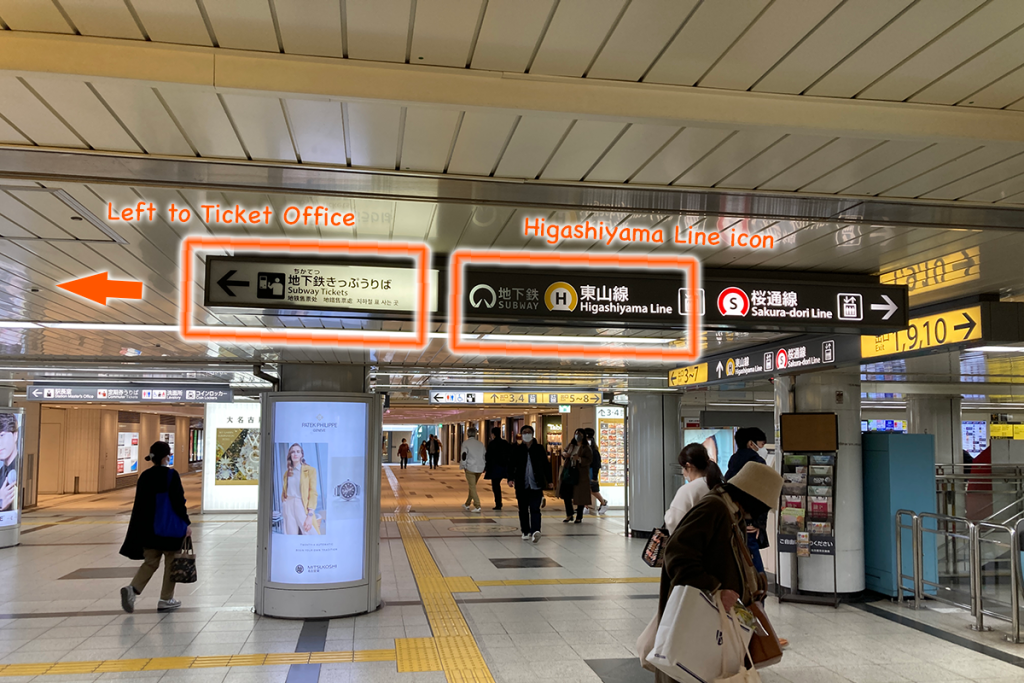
{"x": 807, "y": 514}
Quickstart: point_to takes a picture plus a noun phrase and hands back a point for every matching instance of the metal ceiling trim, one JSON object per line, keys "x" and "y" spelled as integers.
{"x": 88, "y": 166}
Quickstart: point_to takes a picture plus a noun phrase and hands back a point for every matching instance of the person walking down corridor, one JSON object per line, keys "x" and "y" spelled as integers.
{"x": 595, "y": 474}
{"x": 750, "y": 447}
{"x": 158, "y": 527}
{"x": 701, "y": 474}
{"x": 530, "y": 472}
{"x": 574, "y": 484}
{"x": 472, "y": 460}
{"x": 434, "y": 451}
{"x": 496, "y": 463}
{"x": 422, "y": 452}
{"x": 403, "y": 454}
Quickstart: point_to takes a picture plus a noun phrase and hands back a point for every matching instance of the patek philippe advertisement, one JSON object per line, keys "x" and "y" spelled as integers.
{"x": 318, "y": 516}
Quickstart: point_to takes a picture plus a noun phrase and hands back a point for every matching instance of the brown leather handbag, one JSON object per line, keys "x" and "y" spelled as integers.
{"x": 765, "y": 650}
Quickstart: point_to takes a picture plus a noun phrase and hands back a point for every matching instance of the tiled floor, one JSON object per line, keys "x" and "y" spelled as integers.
{"x": 525, "y": 632}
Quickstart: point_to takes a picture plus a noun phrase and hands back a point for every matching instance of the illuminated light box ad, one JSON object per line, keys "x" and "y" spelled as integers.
{"x": 11, "y": 448}
{"x": 317, "y": 498}
{"x": 231, "y": 466}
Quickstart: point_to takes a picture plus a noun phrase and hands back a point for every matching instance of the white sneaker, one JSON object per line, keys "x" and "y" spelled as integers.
{"x": 168, "y": 605}
{"x": 128, "y": 599}
{"x": 476, "y": 509}
{"x": 526, "y": 537}
{"x": 536, "y": 536}
{"x": 603, "y": 509}
{"x": 465, "y": 507}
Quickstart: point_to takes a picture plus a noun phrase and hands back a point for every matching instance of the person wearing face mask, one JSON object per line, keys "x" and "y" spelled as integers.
{"x": 702, "y": 475}
{"x": 574, "y": 487}
{"x": 750, "y": 444}
{"x": 530, "y": 472}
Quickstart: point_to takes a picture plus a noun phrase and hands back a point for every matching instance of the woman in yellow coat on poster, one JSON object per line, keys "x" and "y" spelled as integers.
{"x": 299, "y": 495}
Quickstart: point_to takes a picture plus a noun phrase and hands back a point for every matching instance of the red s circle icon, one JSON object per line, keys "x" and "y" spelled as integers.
{"x": 781, "y": 360}
{"x": 733, "y": 301}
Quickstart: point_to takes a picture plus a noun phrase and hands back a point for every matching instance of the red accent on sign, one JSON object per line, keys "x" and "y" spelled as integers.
{"x": 733, "y": 301}
{"x": 781, "y": 360}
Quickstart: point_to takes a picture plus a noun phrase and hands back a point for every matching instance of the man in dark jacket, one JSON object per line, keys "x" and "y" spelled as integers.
{"x": 496, "y": 459}
{"x": 530, "y": 472}
{"x": 750, "y": 445}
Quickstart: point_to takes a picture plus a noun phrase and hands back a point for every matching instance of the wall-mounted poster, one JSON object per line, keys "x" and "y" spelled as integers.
{"x": 168, "y": 438}
{"x": 237, "y": 456}
{"x": 11, "y": 445}
{"x": 127, "y": 452}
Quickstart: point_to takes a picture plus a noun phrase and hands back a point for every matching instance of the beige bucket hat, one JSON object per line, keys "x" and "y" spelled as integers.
{"x": 761, "y": 482}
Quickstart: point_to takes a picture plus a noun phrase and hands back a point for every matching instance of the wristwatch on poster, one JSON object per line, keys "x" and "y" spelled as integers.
{"x": 346, "y": 491}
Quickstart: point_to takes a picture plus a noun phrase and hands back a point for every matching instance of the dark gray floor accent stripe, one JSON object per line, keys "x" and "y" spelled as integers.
{"x": 619, "y": 670}
{"x": 312, "y": 638}
{"x": 940, "y": 634}
{"x": 36, "y": 528}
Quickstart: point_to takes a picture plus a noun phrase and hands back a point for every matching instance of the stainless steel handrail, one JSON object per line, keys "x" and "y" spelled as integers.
{"x": 972, "y": 534}
{"x": 900, "y": 576}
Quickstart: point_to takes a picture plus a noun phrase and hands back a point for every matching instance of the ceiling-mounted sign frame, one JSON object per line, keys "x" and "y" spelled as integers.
{"x": 535, "y": 397}
{"x": 120, "y": 393}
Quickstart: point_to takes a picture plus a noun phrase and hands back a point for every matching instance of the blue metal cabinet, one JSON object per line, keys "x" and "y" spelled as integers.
{"x": 899, "y": 474}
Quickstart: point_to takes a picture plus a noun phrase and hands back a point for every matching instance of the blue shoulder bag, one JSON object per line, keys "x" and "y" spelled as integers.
{"x": 166, "y": 522}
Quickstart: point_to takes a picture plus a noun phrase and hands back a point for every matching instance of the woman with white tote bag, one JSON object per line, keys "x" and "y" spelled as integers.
{"x": 708, "y": 551}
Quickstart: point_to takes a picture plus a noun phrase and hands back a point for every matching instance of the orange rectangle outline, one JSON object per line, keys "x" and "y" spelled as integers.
{"x": 416, "y": 340}
{"x": 463, "y": 257}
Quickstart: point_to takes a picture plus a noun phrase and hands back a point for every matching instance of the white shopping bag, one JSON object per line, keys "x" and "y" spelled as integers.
{"x": 689, "y": 643}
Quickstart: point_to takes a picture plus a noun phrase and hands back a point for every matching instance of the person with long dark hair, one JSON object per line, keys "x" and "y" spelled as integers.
{"x": 142, "y": 541}
{"x": 299, "y": 496}
{"x": 701, "y": 474}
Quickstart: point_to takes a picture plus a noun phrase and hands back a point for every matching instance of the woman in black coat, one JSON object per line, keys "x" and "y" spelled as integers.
{"x": 142, "y": 542}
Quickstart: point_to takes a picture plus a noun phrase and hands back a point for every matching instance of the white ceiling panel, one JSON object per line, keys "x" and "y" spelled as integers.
{"x": 173, "y": 21}
{"x": 103, "y": 18}
{"x": 630, "y": 152}
{"x": 974, "y": 34}
{"x": 819, "y": 163}
{"x": 927, "y": 183}
{"x": 25, "y": 111}
{"x": 709, "y": 32}
{"x": 374, "y": 217}
{"x": 769, "y": 38}
{"x": 33, "y": 15}
{"x": 918, "y": 164}
{"x": 908, "y": 33}
{"x": 576, "y": 32}
{"x": 729, "y": 156}
{"x": 310, "y": 27}
{"x": 59, "y": 214}
{"x": 77, "y": 105}
{"x": 840, "y": 34}
{"x": 443, "y": 32}
{"x": 242, "y": 24}
{"x": 644, "y": 30}
{"x": 864, "y": 165}
{"x": 373, "y": 134}
{"x": 1010, "y": 191}
{"x": 8, "y": 135}
{"x": 1003, "y": 93}
{"x": 428, "y": 138}
{"x": 261, "y": 124}
{"x": 983, "y": 183}
{"x": 17, "y": 212}
{"x": 685, "y": 150}
{"x": 204, "y": 121}
{"x": 790, "y": 151}
{"x": 584, "y": 144}
{"x": 141, "y": 111}
{"x": 509, "y": 34}
{"x": 481, "y": 139}
{"x": 412, "y": 220}
{"x": 377, "y": 30}
{"x": 976, "y": 75}
{"x": 531, "y": 146}
{"x": 318, "y": 130}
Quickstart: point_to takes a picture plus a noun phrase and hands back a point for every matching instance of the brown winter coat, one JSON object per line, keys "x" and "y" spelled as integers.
{"x": 580, "y": 456}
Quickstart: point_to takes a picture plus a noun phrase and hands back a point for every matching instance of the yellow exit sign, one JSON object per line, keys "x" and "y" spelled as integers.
{"x": 541, "y": 397}
{"x": 926, "y": 332}
{"x": 692, "y": 374}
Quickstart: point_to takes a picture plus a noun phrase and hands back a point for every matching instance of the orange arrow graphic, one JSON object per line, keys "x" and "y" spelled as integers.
{"x": 99, "y": 288}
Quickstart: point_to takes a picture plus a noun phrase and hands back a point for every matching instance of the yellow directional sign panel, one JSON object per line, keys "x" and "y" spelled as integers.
{"x": 1018, "y": 432}
{"x": 937, "y": 273}
{"x": 926, "y": 332}
{"x": 1001, "y": 431}
{"x": 691, "y": 374}
{"x": 544, "y": 397}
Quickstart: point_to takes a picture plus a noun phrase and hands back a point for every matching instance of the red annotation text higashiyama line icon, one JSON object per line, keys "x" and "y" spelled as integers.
{"x": 548, "y": 346}
{"x": 418, "y": 254}
{"x": 100, "y": 287}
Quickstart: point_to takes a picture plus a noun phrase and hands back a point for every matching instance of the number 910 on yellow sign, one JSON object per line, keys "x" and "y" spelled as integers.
{"x": 926, "y": 332}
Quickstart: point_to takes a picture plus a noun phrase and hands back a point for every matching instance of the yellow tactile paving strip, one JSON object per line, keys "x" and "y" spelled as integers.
{"x": 177, "y": 663}
{"x": 566, "y": 582}
{"x": 417, "y": 654}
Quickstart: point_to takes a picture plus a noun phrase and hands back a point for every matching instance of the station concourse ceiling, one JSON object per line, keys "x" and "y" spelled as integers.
{"x": 868, "y": 138}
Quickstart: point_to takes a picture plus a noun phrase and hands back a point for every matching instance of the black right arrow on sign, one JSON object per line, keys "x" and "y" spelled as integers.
{"x": 969, "y": 325}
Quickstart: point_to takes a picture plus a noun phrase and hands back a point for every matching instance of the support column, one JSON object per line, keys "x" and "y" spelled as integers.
{"x": 937, "y": 415}
{"x": 653, "y": 440}
{"x": 832, "y": 392}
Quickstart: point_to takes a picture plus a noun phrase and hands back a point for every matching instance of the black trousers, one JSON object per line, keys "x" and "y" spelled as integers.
{"x": 496, "y": 487}
{"x": 434, "y": 458}
{"x": 529, "y": 509}
{"x": 405, "y": 463}
{"x": 568, "y": 509}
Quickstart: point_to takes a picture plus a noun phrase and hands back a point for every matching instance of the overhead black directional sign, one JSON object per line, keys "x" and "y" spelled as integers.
{"x": 116, "y": 393}
{"x": 658, "y": 299}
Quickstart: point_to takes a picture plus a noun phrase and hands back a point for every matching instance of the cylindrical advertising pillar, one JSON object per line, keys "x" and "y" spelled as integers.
{"x": 319, "y": 505}
{"x": 12, "y": 444}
